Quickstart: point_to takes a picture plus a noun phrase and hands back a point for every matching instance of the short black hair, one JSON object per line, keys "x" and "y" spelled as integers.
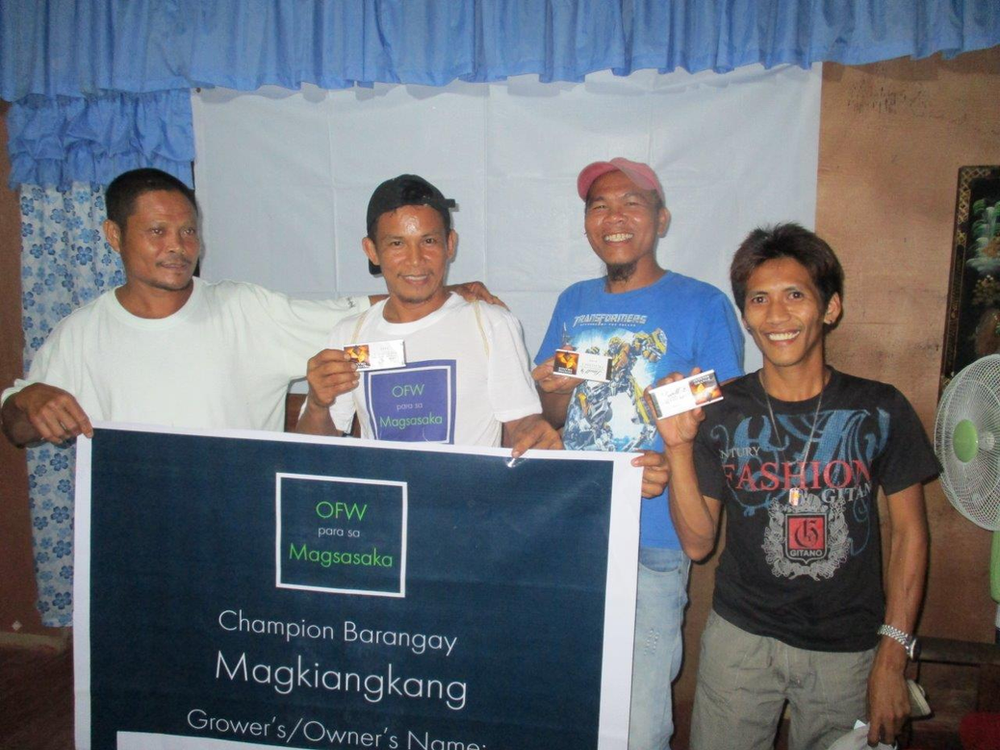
{"x": 406, "y": 190}
{"x": 789, "y": 240}
{"x": 128, "y": 187}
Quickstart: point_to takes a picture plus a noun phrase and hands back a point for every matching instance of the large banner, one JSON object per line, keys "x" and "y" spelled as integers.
{"x": 239, "y": 590}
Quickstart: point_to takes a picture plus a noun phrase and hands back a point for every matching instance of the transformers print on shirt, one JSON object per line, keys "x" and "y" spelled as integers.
{"x": 613, "y": 416}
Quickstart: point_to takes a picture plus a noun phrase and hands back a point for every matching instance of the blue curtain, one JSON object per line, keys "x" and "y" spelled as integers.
{"x": 65, "y": 263}
{"x": 68, "y": 47}
{"x": 100, "y": 49}
{"x": 61, "y": 140}
{"x": 720, "y": 36}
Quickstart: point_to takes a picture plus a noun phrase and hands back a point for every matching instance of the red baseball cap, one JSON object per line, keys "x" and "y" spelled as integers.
{"x": 641, "y": 174}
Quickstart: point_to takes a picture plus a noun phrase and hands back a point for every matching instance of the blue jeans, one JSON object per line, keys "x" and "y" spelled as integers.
{"x": 659, "y": 615}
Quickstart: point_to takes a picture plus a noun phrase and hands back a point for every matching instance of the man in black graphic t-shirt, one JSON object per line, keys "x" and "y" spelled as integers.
{"x": 796, "y": 452}
{"x": 802, "y": 562}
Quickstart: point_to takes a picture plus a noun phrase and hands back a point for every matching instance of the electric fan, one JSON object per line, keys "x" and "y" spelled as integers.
{"x": 967, "y": 442}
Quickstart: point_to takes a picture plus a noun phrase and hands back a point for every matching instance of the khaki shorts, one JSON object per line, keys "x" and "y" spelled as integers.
{"x": 744, "y": 681}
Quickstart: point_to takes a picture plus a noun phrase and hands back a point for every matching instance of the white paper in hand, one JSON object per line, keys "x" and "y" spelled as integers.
{"x": 857, "y": 739}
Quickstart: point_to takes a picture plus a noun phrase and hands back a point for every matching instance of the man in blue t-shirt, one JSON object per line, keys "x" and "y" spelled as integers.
{"x": 650, "y": 322}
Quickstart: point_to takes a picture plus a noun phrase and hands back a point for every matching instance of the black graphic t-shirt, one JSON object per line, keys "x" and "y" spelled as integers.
{"x": 802, "y": 561}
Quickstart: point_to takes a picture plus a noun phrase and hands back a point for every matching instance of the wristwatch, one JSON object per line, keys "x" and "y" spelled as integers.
{"x": 909, "y": 642}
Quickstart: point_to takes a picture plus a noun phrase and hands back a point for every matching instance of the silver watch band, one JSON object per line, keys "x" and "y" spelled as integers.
{"x": 903, "y": 639}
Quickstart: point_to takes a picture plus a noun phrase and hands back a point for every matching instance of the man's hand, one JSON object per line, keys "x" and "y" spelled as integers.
{"x": 554, "y": 391}
{"x": 888, "y": 698}
{"x": 44, "y": 413}
{"x": 655, "y": 472}
{"x": 471, "y": 291}
{"x": 531, "y": 432}
{"x": 548, "y": 381}
{"x": 330, "y": 373}
{"x": 680, "y": 429}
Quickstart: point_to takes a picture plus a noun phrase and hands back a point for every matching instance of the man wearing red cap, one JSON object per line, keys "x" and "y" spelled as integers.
{"x": 650, "y": 322}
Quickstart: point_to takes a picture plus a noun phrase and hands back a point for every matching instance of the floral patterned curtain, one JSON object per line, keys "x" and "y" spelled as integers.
{"x": 65, "y": 263}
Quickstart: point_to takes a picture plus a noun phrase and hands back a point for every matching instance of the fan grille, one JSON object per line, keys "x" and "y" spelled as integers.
{"x": 973, "y": 487}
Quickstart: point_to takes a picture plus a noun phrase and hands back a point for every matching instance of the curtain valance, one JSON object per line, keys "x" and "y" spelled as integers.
{"x": 61, "y": 140}
{"x": 72, "y": 48}
{"x": 97, "y": 49}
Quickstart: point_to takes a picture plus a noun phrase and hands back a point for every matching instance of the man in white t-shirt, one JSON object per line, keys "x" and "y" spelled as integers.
{"x": 466, "y": 379}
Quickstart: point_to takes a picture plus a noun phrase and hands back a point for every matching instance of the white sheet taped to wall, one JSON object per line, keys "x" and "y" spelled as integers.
{"x": 284, "y": 177}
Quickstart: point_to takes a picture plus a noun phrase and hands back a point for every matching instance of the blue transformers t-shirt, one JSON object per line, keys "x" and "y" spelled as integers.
{"x": 672, "y": 325}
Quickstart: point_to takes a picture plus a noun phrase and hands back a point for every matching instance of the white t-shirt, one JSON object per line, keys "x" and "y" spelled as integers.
{"x": 225, "y": 359}
{"x": 466, "y": 373}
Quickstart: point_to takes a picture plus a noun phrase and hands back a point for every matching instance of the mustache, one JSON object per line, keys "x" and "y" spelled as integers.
{"x": 178, "y": 258}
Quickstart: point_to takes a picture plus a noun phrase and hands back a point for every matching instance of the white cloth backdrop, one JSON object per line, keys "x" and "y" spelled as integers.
{"x": 284, "y": 177}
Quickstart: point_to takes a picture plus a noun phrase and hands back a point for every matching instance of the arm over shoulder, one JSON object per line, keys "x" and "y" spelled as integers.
{"x": 511, "y": 388}
{"x": 290, "y": 330}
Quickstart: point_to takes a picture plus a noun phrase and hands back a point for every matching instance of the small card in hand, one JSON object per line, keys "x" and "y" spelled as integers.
{"x": 685, "y": 395}
{"x": 379, "y": 355}
{"x": 583, "y": 365}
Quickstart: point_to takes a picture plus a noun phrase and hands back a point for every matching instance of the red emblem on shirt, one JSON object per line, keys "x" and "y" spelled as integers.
{"x": 805, "y": 536}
